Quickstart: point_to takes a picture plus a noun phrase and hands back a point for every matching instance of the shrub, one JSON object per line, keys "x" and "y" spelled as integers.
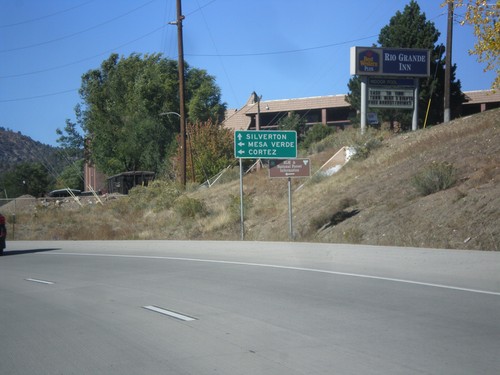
{"x": 363, "y": 149}
{"x": 234, "y": 207}
{"x": 158, "y": 194}
{"x": 190, "y": 207}
{"x": 209, "y": 150}
{"x": 362, "y": 143}
{"x": 316, "y": 134}
{"x": 435, "y": 177}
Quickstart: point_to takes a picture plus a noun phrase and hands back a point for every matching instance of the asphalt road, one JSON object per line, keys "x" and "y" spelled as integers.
{"x": 234, "y": 308}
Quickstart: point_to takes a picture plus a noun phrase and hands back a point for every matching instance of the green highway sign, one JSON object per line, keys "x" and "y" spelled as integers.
{"x": 265, "y": 144}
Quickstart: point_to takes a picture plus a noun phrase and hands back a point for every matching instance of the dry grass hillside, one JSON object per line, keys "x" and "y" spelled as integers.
{"x": 372, "y": 200}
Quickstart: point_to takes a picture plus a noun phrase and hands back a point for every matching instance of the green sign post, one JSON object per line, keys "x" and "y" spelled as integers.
{"x": 262, "y": 144}
{"x": 265, "y": 144}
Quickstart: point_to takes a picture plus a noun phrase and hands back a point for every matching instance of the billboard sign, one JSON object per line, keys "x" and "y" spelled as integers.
{"x": 390, "y": 98}
{"x": 407, "y": 62}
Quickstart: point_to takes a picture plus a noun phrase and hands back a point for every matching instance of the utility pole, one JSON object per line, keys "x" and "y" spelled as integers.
{"x": 447, "y": 72}
{"x": 257, "y": 122}
{"x": 182, "y": 104}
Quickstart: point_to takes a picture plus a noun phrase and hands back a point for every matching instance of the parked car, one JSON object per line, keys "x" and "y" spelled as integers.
{"x": 64, "y": 193}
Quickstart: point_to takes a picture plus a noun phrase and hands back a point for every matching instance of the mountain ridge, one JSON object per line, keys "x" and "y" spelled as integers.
{"x": 17, "y": 148}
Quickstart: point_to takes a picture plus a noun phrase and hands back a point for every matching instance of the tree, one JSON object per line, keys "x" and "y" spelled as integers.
{"x": 483, "y": 15}
{"x": 27, "y": 178}
{"x": 71, "y": 176}
{"x": 410, "y": 29}
{"x": 123, "y": 103}
{"x": 316, "y": 134}
{"x": 204, "y": 98}
{"x": 70, "y": 139}
{"x": 209, "y": 150}
{"x": 292, "y": 122}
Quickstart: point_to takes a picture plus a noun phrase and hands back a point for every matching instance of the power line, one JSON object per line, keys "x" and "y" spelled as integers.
{"x": 44, "y": 17}
{"x": 37, "y": 96}
{"x": 217, "y": 51}
{"x": 219, "y": 55}
{"x": 77, "y": 33}
{"x": 281, "y": 52}
{"x": 200, "y": 7}
{"x": 84, "y": 59}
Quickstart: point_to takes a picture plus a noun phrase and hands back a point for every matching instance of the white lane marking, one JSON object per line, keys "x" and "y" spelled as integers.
{"x": 40, "y": 281}
{"x": 170, "y": 313}
{"x": 285, "y": 268}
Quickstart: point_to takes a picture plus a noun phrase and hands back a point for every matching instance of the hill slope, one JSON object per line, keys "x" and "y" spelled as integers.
{"x": 379, "y": 203}
{"x": 371, "y": 201}
{"x": 16, "y": 148}
{"x": 466, "y": 215}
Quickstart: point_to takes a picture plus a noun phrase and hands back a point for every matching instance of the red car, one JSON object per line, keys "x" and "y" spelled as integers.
{"x": 3, "y": 233}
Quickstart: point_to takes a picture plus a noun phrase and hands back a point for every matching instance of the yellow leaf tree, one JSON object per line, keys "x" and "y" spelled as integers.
{"x": 484, "y": 17}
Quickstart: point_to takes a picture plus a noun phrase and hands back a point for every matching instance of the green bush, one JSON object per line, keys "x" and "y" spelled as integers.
{"x": 362, "y": 143}
{"x": 316, "y": 134}
{"x": 363, "y": 149}
{"x": 234, "y": 207}
{"x": 435, "y": 177}
{"x": 189, "y": 207}
{"x": 159, "y": 194}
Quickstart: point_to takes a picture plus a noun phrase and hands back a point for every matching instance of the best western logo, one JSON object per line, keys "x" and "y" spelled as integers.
{"x": 369, "y": 61}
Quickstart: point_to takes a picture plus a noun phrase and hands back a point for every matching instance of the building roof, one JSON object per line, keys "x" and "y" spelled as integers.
{"x": 482, "y": 96}
{"x": 239, "y": 119}
{"x": 299, "y": 104}
{"x": 235, "y": 119}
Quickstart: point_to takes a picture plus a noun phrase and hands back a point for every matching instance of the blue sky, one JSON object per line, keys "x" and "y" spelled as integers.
{"x": 280, "y": 48}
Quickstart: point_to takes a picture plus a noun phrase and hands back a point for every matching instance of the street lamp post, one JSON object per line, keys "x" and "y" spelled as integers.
{"x": 170, "y": 113}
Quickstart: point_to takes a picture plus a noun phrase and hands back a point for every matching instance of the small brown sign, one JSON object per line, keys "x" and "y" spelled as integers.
{"x": 289, "y": 168}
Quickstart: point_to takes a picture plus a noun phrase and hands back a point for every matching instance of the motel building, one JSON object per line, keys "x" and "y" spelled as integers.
{"x": 333, "y": 111}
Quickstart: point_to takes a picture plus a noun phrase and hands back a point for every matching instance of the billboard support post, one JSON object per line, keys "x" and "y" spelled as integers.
{"x": 364, "y": 101}
{"x": 291, "y": 168}
{"x": 414, "y": 121}
{"x": 242, "y": 217}
{"x": 290, "y": 216}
